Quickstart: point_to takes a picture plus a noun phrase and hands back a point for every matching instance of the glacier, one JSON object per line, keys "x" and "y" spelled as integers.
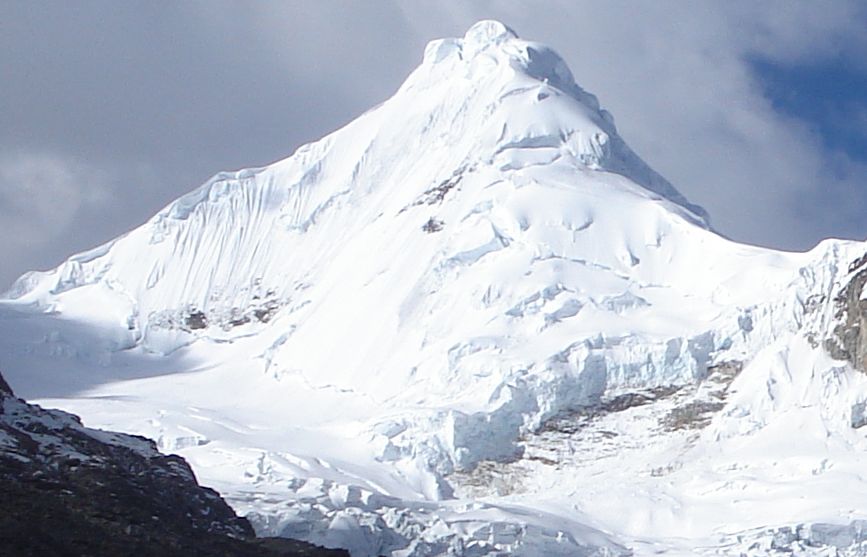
{"x": 470, "y": 322}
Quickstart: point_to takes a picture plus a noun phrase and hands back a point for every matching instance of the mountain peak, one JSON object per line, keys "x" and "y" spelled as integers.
{"x": 500, "y": 43}
{"x": 527, "y": 89}
{"x": 488, "y": 31}
{"x": 486, "y": 109}
{"x": 479, "y": 37}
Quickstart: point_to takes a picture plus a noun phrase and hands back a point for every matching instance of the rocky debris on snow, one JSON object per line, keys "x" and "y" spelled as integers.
{"x": 193, "y": 319}
{"x": 601, "y": 431}
{"x": 436, "y": 194}
{"x": 697, "y": 414}
{"x": 432, "y": 225}
{"x": 570, "y": 423}
{"x": 693, "y": 415}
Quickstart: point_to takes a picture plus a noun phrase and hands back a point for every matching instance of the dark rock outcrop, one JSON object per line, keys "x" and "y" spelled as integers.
{"x": 67, "y": 490}
{"x": 849, "y": 337}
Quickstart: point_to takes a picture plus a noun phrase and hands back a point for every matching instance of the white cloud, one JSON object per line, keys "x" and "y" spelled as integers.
{"x": 41, "y": 194}
{"x": 42, "y": 198}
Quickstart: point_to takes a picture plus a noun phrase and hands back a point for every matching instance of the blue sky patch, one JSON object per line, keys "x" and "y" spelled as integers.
{"x": 830, "y": 97}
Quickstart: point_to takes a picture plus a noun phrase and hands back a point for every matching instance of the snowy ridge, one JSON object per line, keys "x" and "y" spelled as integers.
{"x": 359, "y": 344}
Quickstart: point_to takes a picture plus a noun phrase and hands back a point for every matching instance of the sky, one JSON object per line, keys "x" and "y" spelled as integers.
{"x": 110, "y": 110}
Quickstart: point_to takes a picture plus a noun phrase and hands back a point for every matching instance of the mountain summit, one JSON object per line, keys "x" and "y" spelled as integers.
{"x": 487, "y": 101}
{"x": 470, "y": 322}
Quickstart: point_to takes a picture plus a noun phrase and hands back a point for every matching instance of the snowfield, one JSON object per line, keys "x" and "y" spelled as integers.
{"x": 471, "y": 322}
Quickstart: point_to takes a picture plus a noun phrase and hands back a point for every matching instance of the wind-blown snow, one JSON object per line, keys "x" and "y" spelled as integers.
{"x": 362, "y": 344}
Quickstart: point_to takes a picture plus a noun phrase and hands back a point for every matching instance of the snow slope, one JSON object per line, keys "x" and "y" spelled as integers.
{"x": 366, "y": 344}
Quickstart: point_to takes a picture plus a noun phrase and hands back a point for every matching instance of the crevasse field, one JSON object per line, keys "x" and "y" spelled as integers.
{"x": 471, "y": 322}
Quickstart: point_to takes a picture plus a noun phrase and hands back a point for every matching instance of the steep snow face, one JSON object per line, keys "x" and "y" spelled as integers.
{"x": 489, "y": 104}
{"x": 335, "y": 339}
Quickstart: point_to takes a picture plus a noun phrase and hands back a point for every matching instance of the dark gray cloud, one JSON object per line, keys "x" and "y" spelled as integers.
{"x": 109, "y": 110}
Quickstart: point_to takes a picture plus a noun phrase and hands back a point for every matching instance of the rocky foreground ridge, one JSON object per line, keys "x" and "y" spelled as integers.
{"x": 70, "y": 490}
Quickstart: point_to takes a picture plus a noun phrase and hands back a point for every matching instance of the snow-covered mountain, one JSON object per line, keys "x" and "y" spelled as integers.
{"x": 471, "y": 322}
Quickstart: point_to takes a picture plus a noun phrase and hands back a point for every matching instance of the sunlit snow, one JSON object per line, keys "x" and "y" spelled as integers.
{"x": 389, "y": 340}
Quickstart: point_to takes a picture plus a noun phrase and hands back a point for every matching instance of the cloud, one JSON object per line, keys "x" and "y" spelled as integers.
{"x": 42, "y": 194}
{"x": 52, "y": 204}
